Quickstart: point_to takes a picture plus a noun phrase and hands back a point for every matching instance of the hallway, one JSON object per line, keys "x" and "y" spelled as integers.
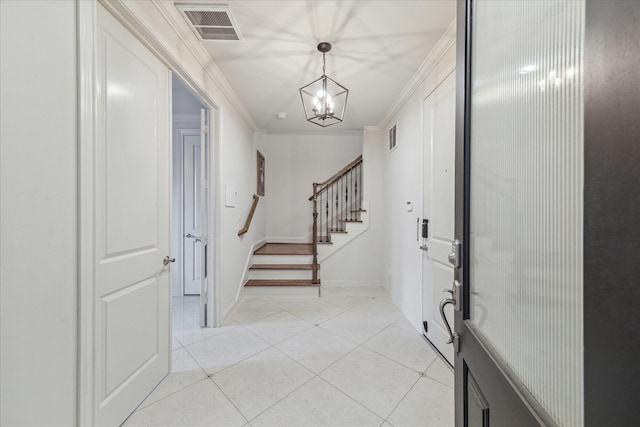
{"x": 349, "y": 358}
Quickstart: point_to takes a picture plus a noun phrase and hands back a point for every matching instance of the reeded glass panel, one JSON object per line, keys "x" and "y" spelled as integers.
{"x": 526, "y": 193}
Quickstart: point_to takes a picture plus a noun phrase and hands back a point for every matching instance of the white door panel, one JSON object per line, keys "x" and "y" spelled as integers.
{"x": 191, "y": 211}
{"x": 438, "y": 208}
{"x": 132, "y": 222}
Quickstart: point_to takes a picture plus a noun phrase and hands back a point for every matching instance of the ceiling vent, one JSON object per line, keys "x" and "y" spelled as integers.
{"x": 210, "y": 22}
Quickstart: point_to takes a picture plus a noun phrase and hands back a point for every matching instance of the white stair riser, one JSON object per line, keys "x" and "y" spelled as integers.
{"x": 280, "y": 274}
{"x": 282, "y": 259}
{"x": 339, "y": 240}
{"x": 281, "y": 291}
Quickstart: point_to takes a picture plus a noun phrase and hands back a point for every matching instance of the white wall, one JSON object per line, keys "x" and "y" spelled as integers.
{"x": 402, "y": 169}
{"x": 239, "y": 145}
{"x": 38, "y": 324}
{"x": 360, "y": 263}
{"x": 293, "y": 163}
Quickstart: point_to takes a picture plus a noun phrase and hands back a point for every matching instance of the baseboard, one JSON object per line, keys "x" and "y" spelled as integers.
{"x": 350, "y": 284}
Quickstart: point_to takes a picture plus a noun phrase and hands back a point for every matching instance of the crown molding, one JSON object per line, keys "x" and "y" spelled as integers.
{"x": 372, "y": 129}
{"x": 177, "y": 23}
{"x": 136, "y": 20}
{"x": 445, "y": 42}
{"x": 310, "y": 132}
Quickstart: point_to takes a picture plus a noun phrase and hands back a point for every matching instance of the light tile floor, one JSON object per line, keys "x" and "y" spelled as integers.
{"x": 349, "y": 358}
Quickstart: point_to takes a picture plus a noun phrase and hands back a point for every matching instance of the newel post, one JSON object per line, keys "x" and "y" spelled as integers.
{"x": 315, "y": 280}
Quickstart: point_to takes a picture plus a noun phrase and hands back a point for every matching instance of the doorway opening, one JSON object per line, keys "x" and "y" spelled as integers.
{"x": 191, "y": 207}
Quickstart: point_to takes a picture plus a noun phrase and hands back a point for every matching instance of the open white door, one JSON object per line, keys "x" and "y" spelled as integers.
{"x": 439, "y": 210}
{"x": 204, "y": 213}
{"x": 130, "y": 195}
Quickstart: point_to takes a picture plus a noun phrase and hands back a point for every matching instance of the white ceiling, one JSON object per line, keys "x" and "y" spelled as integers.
{"x": 377, "y": 47}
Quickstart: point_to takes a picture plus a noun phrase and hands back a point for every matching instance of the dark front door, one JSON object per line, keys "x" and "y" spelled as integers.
{"x": 519, "y": 205}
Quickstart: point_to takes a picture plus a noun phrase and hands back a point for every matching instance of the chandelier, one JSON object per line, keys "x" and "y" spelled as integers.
{"x": 324, "y": 100}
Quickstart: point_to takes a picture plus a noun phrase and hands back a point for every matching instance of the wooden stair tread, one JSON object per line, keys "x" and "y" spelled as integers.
{"x": 287, "y": 282}
{"x": 285, "y": 249}
{"x": 352, "y": 220}
{"x": 359, "y": 210}
{"x": 281, "y": 267}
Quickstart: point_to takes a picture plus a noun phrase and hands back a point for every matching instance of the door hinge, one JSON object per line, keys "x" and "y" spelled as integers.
{"x": 456, "y": 342}
{"x": 205, "y": 129}
{"x": 425, "y": 325}
{"x": 456, "y": 254}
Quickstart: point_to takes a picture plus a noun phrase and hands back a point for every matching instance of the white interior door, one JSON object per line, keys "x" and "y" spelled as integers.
{"x": 192, "y": 248}
{"x": 438, "y": 208}
{"x": 132, "y": 222}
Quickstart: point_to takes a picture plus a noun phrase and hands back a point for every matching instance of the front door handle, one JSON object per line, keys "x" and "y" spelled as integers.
{"x": 167, "y": 260}
{"x": 443, "y": 303}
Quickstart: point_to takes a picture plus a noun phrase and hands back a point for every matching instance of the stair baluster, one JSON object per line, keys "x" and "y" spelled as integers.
{"x": 345, "y": 188}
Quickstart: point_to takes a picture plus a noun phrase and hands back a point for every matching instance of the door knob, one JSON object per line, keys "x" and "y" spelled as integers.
{"x": 191, "y": 236}
{"x": 167, "y": 260}
{"x": 424, "y": 248}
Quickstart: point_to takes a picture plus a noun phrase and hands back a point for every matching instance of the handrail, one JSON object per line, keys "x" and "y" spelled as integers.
{"x": 250, "y": 217}
{"x": 335, "y": 177}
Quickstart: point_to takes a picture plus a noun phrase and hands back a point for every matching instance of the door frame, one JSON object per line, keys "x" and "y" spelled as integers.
{"x": 86, "y": 30}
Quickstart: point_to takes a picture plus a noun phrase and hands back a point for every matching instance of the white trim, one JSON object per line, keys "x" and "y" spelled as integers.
{"x": 351, "y": 284}
{"x": 214, "y": 310}
{"x": 447, "y": 40}
{"x": 372, "y": 128}
{"x": 86, "y": 31}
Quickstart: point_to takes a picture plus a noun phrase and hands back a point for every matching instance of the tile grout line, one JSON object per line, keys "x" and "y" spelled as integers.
{"x": 229, "y": 399}
{"x": 212, "y": 336}
{"x": 393, "y": 360}
{"x": 401, "y": 399}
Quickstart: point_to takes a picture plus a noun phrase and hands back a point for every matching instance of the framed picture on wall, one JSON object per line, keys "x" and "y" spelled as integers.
{"x": 260, "y": 174}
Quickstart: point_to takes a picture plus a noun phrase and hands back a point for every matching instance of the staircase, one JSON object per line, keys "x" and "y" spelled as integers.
{"x": 282, "y": 269}
{"x": 292, "y": 269}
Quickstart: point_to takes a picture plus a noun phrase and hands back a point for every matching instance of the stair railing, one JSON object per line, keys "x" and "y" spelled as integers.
{"x": 336, "y": 201}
